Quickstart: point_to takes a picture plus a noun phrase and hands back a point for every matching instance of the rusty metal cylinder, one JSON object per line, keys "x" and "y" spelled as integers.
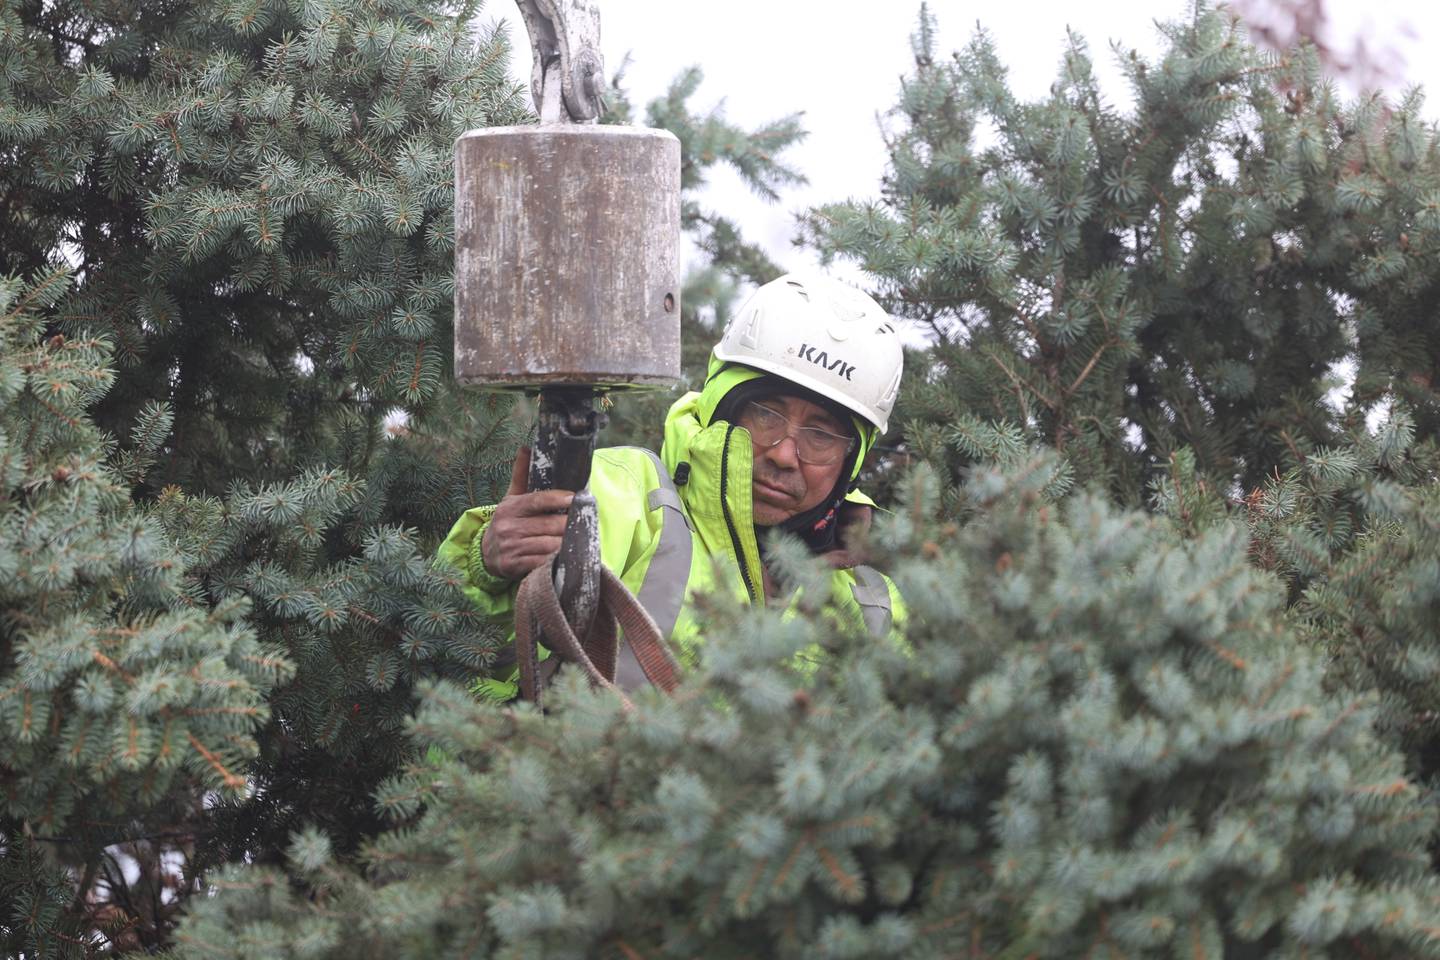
{"x": 567, "y": 257}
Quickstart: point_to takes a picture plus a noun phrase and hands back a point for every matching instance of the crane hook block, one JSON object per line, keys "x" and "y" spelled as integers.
{"x": 567, "y": 251}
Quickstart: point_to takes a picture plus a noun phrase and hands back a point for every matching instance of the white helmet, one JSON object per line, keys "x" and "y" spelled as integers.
{"x": 825, "y": 336}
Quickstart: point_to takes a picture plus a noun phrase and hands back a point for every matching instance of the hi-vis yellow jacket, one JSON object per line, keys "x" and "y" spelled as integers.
{"x": 669, "y": 541}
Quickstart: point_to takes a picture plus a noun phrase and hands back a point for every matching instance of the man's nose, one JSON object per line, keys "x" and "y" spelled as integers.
{"x": 785, "y": 454}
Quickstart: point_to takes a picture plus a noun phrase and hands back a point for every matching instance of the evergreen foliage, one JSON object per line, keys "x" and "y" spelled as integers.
{"x": 1353, "y": 534}
{"x": 1191, "y": 269}
{"x": 124, "y": 696}
{"x": 229, "y": 444}
{"x": 259, "y": 198}
{"x": 253, "y": 361}
{"x": 1098, "y": 738}
{"x": 1217, "y": 299}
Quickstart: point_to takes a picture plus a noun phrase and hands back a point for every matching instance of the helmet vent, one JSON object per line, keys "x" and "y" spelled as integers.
{"x": 799, "y": 288}
{"x": 750, "y": 336}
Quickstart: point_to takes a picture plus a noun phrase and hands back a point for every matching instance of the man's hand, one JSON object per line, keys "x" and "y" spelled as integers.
{"x": 526, "y": 527}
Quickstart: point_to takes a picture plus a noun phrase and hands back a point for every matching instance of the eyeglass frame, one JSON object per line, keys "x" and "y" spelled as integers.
{"x": 793, "y": 430}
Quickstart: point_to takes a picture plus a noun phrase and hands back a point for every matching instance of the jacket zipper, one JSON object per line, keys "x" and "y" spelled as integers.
{"x": 730, "y": 520}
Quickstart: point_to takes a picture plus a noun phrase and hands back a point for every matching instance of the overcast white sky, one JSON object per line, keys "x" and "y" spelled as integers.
{"x": 840, "y": 61}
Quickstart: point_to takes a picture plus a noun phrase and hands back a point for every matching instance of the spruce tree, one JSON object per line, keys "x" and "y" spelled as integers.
{"x": 257, "y": 197}
{"x": 1353, "y": 534}
{"x": 256, "y": 200}
{"x": 1214, "y": 297}
{"x": 125, "y": 697}
{"x": 1098, "y": 737}
{"x": 1191, "y": 266}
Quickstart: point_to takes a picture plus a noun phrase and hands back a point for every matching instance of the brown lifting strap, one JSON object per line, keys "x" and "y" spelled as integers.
{"x": 536, "y": 605}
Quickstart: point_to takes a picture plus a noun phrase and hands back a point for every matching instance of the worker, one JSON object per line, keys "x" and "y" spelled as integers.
{"x": 798, "y": 390}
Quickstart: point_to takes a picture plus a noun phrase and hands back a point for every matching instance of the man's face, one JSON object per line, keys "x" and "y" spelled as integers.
{"x": 783, "y": 485}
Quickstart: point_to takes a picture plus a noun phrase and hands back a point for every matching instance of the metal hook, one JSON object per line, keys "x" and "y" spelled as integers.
{"x": 568, "y": 70}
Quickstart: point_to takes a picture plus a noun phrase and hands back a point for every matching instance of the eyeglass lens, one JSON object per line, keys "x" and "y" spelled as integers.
{"x": 815, "y": 446}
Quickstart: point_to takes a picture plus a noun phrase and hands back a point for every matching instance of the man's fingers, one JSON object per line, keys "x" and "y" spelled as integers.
{"x": 522, "y": 556}
{"x": 537, "y": 547}
{"x": 519, "y": 473}
{"x": 527, "y": 527}
{"x": 541, "y": 501}
{"x": 540, "y": 525}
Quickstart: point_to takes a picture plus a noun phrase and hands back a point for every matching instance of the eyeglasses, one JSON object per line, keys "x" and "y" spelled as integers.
{"x": 812, "y": 445}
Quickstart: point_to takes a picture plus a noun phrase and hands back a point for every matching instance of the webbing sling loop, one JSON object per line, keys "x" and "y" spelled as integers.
{"x": 537, "y": 608}
{"x": 646, "y": 620}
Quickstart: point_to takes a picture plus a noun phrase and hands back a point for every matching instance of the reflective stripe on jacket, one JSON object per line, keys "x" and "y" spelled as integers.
{"x": 668, "y": 542}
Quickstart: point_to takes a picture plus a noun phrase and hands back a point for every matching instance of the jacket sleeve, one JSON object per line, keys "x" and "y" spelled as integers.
{"x": 899, "y": 613}
{"x": 493, "y": 594}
